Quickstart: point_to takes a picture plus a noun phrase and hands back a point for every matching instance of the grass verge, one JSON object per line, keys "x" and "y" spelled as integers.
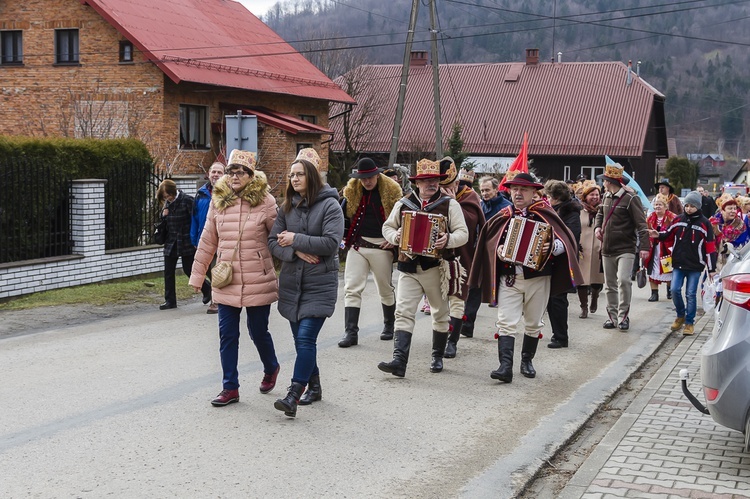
{"x": 148, "y": 289}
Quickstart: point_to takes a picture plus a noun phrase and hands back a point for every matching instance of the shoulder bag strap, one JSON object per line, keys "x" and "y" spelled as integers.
{"x": 239, "y": 238}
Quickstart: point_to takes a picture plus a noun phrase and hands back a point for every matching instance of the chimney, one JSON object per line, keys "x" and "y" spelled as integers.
{"x": 532, "y": 57}
{"x": 559, "y": 57}
{"x": 418, "y": 58}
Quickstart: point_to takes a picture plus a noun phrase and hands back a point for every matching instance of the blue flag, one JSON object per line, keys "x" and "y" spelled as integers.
{"x": 634, "y": 185}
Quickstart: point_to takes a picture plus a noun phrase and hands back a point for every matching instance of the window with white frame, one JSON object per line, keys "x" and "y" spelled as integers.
{"x": 592, "y": 171}
{"x": 11, "y": 47}
{"x": 66, "y": 46}
{"x": 194, "y": 127}
{"x": 566, "y": 172}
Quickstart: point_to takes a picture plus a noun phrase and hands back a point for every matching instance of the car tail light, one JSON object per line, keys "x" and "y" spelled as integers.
{"x": 711, "y": 393}
{"x": 737, "y": 290}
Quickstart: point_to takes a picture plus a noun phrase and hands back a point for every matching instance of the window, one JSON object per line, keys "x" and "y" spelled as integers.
{"x": 66, "y": 46}
{"x": 303, "y": 145}
{"x": 193, "y": 127}
{"x": 566, "y": 172}
{"x": 592, "y": 171}
{"x": 126, "y": 51}
{"x": 11, "y": 47}
{"x": 310, "y": 118}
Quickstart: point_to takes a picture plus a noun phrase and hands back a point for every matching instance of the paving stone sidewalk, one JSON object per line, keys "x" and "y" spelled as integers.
{"x": 662, "y": 446}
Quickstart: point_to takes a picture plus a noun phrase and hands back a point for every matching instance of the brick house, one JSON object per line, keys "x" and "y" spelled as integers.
{"x": 164, "y": 72}
{"x": 575, "y": 113}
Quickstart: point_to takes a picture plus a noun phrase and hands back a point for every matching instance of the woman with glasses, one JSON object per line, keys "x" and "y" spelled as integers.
{"x": 240, "y": 217}
{"x": 306, "y": 239}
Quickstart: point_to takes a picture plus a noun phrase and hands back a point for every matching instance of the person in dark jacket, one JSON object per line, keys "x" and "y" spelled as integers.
{"x": 492, "y": 200}
{"x": 620, "y": 222}
{"x": 200, "y": 212}
{"x": 708, "y": 205}
{"x": 694, "y": 250}
{"x": 569, "y": 211}
{"x": 306, "y": 237}
{"x": 178, "y": 210}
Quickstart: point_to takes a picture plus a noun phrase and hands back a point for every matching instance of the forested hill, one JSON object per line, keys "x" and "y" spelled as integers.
{"x": 696, "y": 52}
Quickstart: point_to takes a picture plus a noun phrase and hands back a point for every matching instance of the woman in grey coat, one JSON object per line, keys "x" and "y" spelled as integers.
{"x": 306, "y": 237}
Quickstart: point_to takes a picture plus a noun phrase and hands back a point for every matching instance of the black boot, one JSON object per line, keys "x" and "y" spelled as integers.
{"x": 654, "y": 295}
{"x": 289, "y": 403}
{"x": 455, "y": 334}
{"x": 351, "y": 319}
{"x": 594, "y": 300}
{"x": 669, "y": 292}
{"x": 401, "y": 346}
{"x": 528, "y": 350}
{"x": 313, "y": 393}
{"x": 583, "y": 297}
{"x": 439, "y": 341}
{"x": 389, "y": 318}
{"x": 505, "y": 346}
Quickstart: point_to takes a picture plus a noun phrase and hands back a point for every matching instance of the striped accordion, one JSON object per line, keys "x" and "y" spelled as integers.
{"x": 420, "y": 231}
{"x": 524, "y": 242}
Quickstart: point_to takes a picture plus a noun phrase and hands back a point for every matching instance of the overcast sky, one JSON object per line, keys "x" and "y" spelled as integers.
{"x": 258, "y": 7}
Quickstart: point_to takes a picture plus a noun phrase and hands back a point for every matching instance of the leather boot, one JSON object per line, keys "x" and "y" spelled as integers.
{"x": 654, "y": 295}
{"x": 439, "y": 340}
{"x": 453, "y": 337}
{"x": 401, "y": 346}
{"x": 669, "y": 292}
{"x": 528, "y": 350}
{"x": 351, "y": 319}
{"x": 594, "y": 300}
{"x": 505, "y": 346}
{"x": 389, "y": 319}
{"x": 313, "y": 393}
{"x": 583, "y": 296}
{"x": 289, "y": 403}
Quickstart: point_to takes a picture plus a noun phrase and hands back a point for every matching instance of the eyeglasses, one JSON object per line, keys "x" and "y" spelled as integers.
{"x": 238, "y": 173}
{"x": 297, "y": 174}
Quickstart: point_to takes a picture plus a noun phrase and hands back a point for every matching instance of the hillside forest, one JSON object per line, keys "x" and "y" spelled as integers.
{"x": 693, "y": 51}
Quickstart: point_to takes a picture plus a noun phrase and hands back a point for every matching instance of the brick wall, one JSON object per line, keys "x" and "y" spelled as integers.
{"x": 89, "y": 263}
{"x": 39, "y": 98}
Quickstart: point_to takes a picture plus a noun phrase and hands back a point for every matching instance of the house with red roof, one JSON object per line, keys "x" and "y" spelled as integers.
{"x": 166, "y": 72}
{"x": 574, "y": 113}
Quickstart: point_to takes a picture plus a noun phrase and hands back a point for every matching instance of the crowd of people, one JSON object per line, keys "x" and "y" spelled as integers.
{"x": 521, "y": 246}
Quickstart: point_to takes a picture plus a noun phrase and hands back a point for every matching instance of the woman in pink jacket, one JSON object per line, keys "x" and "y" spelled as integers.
{"x": 241, "y": 203}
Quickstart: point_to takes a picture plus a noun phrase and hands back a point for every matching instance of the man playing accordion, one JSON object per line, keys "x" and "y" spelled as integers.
{"x": 421, "y": 274}
{"x": 522, "y": 291}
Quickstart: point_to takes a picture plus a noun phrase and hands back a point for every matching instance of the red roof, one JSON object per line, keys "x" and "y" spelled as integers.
{"x": 570, "y": 109}
{"x": 216, "y": 42}
{"x": 279, "y": 120}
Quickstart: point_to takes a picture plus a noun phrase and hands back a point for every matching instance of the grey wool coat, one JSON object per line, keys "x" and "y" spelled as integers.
{"x": 309, "y": 290}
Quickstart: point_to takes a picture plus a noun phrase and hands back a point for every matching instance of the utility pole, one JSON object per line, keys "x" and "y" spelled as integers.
{"x": 404, "y": 78}
{"x": 436, "y": 83}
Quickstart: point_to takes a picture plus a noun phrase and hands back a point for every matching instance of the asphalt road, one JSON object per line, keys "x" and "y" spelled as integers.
{"x": 120, "y": 406}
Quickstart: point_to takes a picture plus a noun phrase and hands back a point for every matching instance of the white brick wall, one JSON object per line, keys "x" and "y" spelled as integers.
{"x": 89, "y": 263}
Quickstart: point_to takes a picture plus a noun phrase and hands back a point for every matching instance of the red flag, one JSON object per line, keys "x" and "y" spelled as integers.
{"x": 520, "y": 164}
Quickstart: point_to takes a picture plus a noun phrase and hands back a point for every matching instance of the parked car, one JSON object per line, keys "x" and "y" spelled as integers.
{"x": 725, "y": 358}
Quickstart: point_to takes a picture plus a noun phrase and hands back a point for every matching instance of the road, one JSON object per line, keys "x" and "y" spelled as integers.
{"x": 120, "y": 406}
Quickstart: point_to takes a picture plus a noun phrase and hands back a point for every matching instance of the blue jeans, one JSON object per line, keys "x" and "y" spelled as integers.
{"x": 229, "y": 340}
{"x": 305, "y": 334}
{"x": 691, "y": 278}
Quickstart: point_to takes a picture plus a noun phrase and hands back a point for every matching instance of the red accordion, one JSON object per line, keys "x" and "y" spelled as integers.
{"x": 524, "y": 242}
{"x": 420, "y": 231}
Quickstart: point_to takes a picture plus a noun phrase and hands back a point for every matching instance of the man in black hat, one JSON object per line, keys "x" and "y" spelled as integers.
{"x": 522, "y": 292}
{"x": 368, "y": 199}
{"x": 620, "y": 223}
{"x": 674, "y": 205}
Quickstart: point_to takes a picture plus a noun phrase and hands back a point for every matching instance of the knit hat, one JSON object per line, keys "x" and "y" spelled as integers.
{"x": 588, "y": 187}
{"x": 694, "y": 199}
{"x": 448, "y": 168}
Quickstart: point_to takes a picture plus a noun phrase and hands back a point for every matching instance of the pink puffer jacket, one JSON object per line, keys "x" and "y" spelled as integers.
{"x": 254, "y": 280}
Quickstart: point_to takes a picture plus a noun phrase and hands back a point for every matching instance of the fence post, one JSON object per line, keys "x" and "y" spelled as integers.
{"x": 87, "y": 216}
